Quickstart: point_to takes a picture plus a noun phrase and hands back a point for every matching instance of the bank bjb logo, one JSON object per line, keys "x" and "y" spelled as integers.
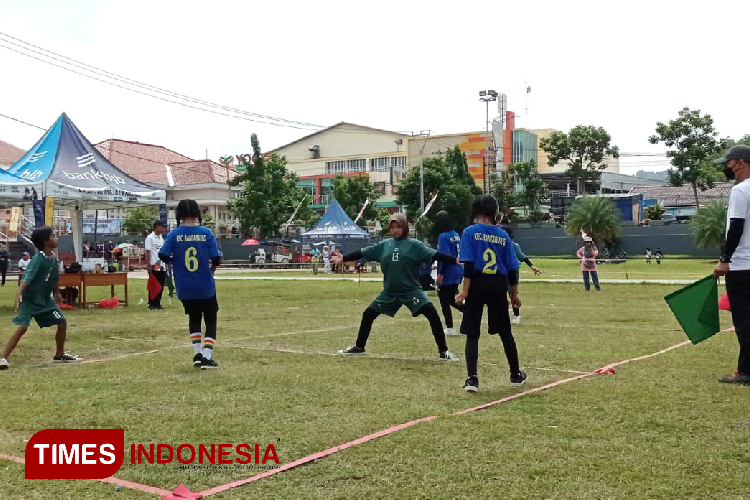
{"x": 74, "y": 453}
{"x": 31, "y": 175}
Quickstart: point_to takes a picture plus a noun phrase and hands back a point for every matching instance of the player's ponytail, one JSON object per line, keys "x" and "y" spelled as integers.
{"x": 188, "y": 209}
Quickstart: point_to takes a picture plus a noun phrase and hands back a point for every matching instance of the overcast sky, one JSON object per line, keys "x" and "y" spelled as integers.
{"x": 401, "y": 65}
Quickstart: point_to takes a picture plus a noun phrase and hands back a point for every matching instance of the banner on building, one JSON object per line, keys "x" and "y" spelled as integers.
{"x": 38, "y": 213}
{"x": 110, "y": 227}
{"x": 49, "y": 210}
{"x": 15, "y": 216}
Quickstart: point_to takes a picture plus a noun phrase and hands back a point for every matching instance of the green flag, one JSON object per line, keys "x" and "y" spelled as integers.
{"x": 169, "y": 282}
{"x": 696, "y": 307}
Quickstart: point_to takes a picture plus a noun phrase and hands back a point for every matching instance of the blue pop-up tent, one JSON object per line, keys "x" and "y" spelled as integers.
{"x": 64, "y": 165}
{"x": 337, "y": 227}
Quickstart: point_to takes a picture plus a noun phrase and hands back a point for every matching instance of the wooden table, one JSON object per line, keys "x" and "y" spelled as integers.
{"x": 72, "y": 280}
{"x": 106, "y": 279}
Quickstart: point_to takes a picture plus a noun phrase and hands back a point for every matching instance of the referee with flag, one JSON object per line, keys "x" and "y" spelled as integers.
{"x": 735, "y": 258}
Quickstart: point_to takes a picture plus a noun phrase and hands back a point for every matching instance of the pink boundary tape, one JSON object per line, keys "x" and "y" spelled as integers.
{"x": 111, "y": 480}
{"x": 390, "y": 430}
{"x": 316, "y": 456}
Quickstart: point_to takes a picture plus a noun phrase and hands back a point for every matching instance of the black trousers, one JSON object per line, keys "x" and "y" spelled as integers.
{"x": 4, "y": 272}
{"x": 447, "y": 295}
{"x": 738, "y": 290}
{"x": 161, "y": 277}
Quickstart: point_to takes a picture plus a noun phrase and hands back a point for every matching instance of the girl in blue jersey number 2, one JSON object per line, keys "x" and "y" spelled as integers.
{"x": 490, "y": 266}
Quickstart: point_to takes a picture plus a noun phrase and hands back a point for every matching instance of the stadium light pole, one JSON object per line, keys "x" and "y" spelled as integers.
{"x": 486, "y": 96}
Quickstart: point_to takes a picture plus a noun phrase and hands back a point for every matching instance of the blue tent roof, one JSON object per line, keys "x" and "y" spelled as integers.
{"x": 65, "y": 165}
{"x": 336, "y": 224}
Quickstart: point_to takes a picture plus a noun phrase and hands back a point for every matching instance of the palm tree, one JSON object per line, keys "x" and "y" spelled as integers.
{"x": 597, "y": 216}
{"x": 708, "y": 225}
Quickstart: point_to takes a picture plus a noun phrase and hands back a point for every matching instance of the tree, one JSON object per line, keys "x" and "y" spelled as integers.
{"x": 654, "y": 212}
{"x": 140, "y": 220}
{"x": 534, "y": 188}
{"x": 595, "y": 215}
{"x": 502, "y": 190}
{"x": 456, "y": 187}
{"x": 709, "y": 225}
{"x": 695, "y": 144}
{"x": 351, "y": 193}
{"x": 384, "y": 217}
{"x": 245, "y": 166}
{"x": 270, "y": 195}
{"x": 584, "y": 148}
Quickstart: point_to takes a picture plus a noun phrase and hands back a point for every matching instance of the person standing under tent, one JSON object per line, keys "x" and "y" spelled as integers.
{"x": 4, "y": 261}
{"x": 449, "y": 275}
{"x": 23, "y": 264}
{"x": 154, "y": 242}
{"x": 327, "y": 259}
{"x": 400, "y": 258}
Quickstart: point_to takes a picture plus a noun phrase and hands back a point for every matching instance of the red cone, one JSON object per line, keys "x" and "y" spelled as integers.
{"x": 724, "y": 303}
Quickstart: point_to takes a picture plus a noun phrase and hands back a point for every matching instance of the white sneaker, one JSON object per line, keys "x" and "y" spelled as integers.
{"x": 4, "y": 364}
{"x": 516, "y": 320}
{"x": 450, "y": 331}
{"x": 448, "y": 356}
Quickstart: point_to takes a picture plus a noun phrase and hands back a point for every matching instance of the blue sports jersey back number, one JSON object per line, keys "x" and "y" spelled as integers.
{"x": 490, "y": 259}
{"x": 191, "y": 259}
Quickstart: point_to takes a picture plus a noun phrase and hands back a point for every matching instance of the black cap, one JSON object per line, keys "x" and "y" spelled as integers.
{"x": 738, "y": 152}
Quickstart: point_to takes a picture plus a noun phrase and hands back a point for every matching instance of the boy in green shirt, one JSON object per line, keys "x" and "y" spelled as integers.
{"x": 400, "y": 258}
{"x": 34, "y": 299}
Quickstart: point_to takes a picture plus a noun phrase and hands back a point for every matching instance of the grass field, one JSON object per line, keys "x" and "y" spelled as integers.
{"x": 660, "y": 428}
{"x": 634, "y": 269}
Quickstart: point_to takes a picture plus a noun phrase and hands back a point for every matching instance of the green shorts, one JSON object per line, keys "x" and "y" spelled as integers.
{"x": 43, "y": 319}
{"x": 389, "y": 304}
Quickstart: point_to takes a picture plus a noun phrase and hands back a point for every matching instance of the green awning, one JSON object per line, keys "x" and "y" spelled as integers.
{"x": 387, "y": 204}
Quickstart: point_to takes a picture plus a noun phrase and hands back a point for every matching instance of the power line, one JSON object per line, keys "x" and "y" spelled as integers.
{"x": 158, "y": 93}
{"x": 137, "y": 83}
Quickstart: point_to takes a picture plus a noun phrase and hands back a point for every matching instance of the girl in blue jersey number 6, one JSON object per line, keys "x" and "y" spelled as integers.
{"x": 195, "y": 255}
{"x": 490, "y": 266}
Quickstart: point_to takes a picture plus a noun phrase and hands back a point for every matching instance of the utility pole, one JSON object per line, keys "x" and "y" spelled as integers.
{"x": 426, "y": 135}
{"x": 486, "y": 96}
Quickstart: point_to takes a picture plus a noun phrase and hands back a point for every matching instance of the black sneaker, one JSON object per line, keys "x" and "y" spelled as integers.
{"x": 471, "y": 384}
{"x": 352, "y": 350}
{"x": 207, "y": 364}
{"x": 737, "y": 378}
{"x": 518, "y": 378}
{"x": 198, "y": 360}
{"x": 66, "y": 358}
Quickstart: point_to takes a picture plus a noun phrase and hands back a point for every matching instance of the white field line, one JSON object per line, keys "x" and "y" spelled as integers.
{"x": 434, "y": 359}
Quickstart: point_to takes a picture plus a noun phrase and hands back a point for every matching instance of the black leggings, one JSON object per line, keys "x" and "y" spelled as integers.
{"x": 472, "y": 353}
{"x": 429, "y": 312}
{"x": 447, "y": 295}
{"x": 194, "y": 322}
